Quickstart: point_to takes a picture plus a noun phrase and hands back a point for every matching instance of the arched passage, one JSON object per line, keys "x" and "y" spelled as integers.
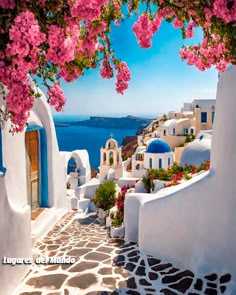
{"x": 71, "y": 166}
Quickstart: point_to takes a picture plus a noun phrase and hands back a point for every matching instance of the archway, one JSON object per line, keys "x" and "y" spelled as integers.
{"x": 71, "y": 166}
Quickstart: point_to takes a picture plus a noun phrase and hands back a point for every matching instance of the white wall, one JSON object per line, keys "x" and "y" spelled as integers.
{"x": 155, "y": 160}
{"x": 15, "y": 215}
{"x": 13, "y": 149}
{"x": 137, "y": 172}
{"x": 87, "y": 190}
{"x": 82, "y": 157}
{"x": 196, "y": 152}
{"x": 14, "y": 237}
{"x": 195, "y": 224}
{"x": 56, "y": 173}
{"x": 82, "y": 162}
{"x": 126, "y": 181}
{"x": 139, "y": 187}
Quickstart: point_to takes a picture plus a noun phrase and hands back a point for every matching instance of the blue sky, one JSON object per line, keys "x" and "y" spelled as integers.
{"x": 160, "y": 80}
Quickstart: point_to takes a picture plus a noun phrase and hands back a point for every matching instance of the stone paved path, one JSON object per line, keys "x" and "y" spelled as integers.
{"x": 102, "y": 267}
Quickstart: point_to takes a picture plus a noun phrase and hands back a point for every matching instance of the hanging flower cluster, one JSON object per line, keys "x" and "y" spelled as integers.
{"x": 145, "y": 28}
{"x": 53, "y": 40}
{"x": 122, "y": 78}
{"x": 61, "y": 39}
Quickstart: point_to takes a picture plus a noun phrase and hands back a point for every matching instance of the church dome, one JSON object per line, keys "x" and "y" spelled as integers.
{"x": 158, "y": 146}
{"x": 196, "y": 152}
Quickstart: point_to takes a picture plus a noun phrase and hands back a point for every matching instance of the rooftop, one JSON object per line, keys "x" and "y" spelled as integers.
{"x": 158, "y": 146}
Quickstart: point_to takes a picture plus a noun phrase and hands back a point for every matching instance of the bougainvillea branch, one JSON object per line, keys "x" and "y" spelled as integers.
{"x": 61, "y": 39}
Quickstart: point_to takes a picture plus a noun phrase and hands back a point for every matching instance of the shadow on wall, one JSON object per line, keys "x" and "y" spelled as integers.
{"x": 15, "y": 236}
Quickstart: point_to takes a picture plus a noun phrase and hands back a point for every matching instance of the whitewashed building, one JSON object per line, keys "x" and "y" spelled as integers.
{"x": 32, "y": 175}
{"x": 158, "y": 155}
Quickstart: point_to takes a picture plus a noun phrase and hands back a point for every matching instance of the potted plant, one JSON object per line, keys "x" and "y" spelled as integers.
{"x": 105, "y": 198}
{"x": 117, "y": 229}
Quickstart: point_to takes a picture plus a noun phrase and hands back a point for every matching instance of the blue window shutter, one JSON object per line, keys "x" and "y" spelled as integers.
{"x": 203, "y": 117}
{"x": 150, "y": 163}
{"x": 213, "y": 117}
{"x": 2, "y": 169}
{"x": 1, "y": 161}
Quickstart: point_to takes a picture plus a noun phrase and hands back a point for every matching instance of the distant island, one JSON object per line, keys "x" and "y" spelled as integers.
{"x": 128, "y": 122}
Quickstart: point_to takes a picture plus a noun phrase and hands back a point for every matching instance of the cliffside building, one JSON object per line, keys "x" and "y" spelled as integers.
{"x": 158, "y": 154}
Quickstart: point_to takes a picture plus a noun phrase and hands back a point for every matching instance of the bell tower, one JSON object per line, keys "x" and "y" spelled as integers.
{"x": 111, "y": 160}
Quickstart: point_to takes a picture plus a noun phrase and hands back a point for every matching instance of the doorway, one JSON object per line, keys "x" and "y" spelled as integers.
{"x": 32, "y": 168}
{"x": 36, "y": 169}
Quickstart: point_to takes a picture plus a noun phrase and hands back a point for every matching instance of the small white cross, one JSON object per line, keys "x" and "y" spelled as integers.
{"x": 111, "y": 135}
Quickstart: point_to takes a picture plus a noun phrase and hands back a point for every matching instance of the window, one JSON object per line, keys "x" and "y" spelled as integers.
{"x": 168, "y": 161}
{"x": 150, "y": 163}
{"x": 164, "y": 132}
{"x": 185, "y": 130}
{"x": 203, "y": 117}
{"x": 160, "y": 163}
{"x": 213, "y": 117}
{"x": 173, "y": 131}
{"x": 192, "y": 130}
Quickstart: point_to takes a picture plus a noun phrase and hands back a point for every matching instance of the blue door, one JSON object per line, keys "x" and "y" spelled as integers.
{"x": 36, "y": 166}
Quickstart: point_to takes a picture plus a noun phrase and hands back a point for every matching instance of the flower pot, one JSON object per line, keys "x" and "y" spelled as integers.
{"x": 101, "y": 215}
{"x": 108, "y": 221}
{"x": 117, "y": 232}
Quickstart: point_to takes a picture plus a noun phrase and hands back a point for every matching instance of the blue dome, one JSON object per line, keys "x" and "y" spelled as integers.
{"x": 158, "y": 146}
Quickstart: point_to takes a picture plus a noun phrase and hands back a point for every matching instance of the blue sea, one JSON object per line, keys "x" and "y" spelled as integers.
{"x": 92, "y": 139}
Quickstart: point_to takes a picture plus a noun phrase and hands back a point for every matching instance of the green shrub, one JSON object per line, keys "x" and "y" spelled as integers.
{"x": 148, "y": 183}
{"x": 105, "y": 195}
{"x": 187, "y": 177}
{"x": 118, "y": 220}
{"x": 176, "y": 172}
{"x": 187, "y": 139}
{"x": 124, "y": 158}
{"x": 176, "y": 168}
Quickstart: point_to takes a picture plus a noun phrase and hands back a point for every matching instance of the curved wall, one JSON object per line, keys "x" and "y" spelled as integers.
{"x": 195, "y": 223}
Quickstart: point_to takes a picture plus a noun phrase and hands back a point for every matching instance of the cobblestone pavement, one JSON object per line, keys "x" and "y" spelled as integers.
{"x": 107, "y": 267}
